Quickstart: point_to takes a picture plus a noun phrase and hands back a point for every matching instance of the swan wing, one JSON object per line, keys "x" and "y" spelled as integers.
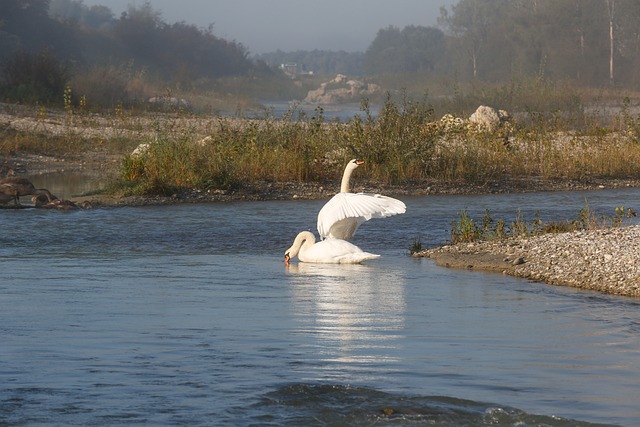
{"x": 341, "y": 216}
{"x": 334, "y": 251}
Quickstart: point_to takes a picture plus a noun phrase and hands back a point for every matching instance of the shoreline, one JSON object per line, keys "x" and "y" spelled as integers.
{"x": 102, "y": 165}
{"x": 270, "y": 191}
{"x": 605, "y": 260}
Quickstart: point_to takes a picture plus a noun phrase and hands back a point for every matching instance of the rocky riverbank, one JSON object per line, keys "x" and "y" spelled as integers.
{"x": 100, "y": 164}
{"x": 606, "y": 260}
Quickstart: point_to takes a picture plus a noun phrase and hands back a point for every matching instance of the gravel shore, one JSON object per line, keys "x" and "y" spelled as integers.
{"x": 605, "y": 260}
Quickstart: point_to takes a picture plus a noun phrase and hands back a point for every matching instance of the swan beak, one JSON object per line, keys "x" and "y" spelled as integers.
{"x": 286, "y": 259}
{"x": 359, "y": 162}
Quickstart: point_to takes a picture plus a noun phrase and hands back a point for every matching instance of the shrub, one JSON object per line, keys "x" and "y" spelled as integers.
{"x": 104, "y": 86}
{"x": 34, "y": 78}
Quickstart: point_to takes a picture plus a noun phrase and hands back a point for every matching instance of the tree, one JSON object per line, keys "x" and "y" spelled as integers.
{"x": 66, "y": 10}
{"x": 26, "y": 26}
{"x": 27, "y": 77}
{"x": 412, "y": 49}
{"x": 558, "y": 39}
{"x": 179, "y": 52}
{"x": 611, "y": 6}
{"x": 97, "y": 17}
{"x": 75, "y": 10}
{"x": 470, "y": 23}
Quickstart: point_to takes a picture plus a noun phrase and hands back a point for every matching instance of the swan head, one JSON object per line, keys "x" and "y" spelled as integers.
{"x": 304, "y": 238}
{"x": 354, "y": 163}
{"x": 346, "y": 176}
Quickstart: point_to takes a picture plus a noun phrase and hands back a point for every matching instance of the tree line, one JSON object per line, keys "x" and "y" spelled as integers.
{"x": 323, "y": 62}
{"x": 592, "y": 42}
{"x": 43, "y": 43}
{"x": 61, "y": 38}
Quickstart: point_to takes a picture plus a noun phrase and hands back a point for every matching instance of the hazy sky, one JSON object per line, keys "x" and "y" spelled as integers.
{"x": 267, "y": 25}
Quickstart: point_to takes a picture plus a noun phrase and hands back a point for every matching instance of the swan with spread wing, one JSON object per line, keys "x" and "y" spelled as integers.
{"x": 341, "y": 216}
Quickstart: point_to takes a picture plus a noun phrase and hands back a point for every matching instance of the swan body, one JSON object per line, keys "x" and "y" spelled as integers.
{"x": 341, "y": 216}
{"x": 330, "y": 251}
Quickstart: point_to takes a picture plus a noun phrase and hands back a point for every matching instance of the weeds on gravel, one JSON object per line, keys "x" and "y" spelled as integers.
{"x": 298, "y": 147}
{"x": 404, "y": 144}
{"x": 465, "y": 229}
{"x": 416, "y": 246}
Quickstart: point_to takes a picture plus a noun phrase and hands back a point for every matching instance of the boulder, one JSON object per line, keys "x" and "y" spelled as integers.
{"x": 140, "y": 150}
{"x": 486, "y": 118}
{"x": 340, "y": 90}
{"x": 169, "y": 102}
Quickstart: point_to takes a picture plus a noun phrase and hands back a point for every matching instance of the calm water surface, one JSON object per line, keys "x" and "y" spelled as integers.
{"x": 186, "y": 315}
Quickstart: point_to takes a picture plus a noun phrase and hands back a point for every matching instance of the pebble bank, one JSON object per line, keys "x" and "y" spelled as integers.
{"x": 606, "y": 260}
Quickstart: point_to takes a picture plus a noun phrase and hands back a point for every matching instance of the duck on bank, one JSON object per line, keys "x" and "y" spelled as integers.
{"x": 42, "y": 202}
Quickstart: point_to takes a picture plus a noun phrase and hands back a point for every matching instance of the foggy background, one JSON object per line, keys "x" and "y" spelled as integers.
{"x": 97, "y": 54}
{"x": 265, "y": 26}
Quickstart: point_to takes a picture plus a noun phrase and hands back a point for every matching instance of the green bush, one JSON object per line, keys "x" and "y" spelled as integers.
{"x": 34, "y": 78}
{"x": 297, "y": 147}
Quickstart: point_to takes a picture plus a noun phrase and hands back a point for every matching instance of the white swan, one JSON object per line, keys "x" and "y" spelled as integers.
{"x": 341, "y": 216}
{"x": 331, "y": 251}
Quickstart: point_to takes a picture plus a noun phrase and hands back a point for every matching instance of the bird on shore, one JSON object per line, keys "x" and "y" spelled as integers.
{"x": 329, "y": 251}
{"x": 15, "y": 187}
{"x": 341, "y": 216}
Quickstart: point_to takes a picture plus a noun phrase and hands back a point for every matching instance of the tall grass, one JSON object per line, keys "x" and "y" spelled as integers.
{"x": 296, "y": 147}
{"x": 553, "y": 134}
{"x": 466, "y": 229}
{"x": 403, "y": 145}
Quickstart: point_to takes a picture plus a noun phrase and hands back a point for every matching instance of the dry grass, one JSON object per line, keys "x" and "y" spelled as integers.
{"x": 405, "y": 143}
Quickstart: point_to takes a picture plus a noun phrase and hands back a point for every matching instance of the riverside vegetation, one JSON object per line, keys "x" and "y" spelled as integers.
{"x": 406, "y": 145}
{"x": 552, "y": 137}
{"x": 466, "y": 229}
{"x": 590, "y": 252}
{"x": 407, "y": 149}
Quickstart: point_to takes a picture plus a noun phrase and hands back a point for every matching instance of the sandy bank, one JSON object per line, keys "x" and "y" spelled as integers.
{"x": 606, "y": 260}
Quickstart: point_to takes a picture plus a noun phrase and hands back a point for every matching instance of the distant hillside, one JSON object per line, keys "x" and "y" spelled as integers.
{"x": 47, "y": 44}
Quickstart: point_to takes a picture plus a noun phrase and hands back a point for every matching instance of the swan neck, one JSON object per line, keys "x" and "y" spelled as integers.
{"x": 304, "y": 239}
{"x": 346, "y": 177}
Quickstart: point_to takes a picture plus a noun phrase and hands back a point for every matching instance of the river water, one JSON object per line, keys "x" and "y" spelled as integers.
{"x": 187, "y": 315}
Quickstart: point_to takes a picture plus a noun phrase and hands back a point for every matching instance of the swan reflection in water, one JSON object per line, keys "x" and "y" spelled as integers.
{"x": 356, "y": 312}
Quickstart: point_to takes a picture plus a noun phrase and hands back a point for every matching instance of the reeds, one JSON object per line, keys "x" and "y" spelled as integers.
{"x": 400, "y": 146}
{"x": 297, "y": 147}
{"x": 406, "y": 143}
{"x": 467, "y": 229}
